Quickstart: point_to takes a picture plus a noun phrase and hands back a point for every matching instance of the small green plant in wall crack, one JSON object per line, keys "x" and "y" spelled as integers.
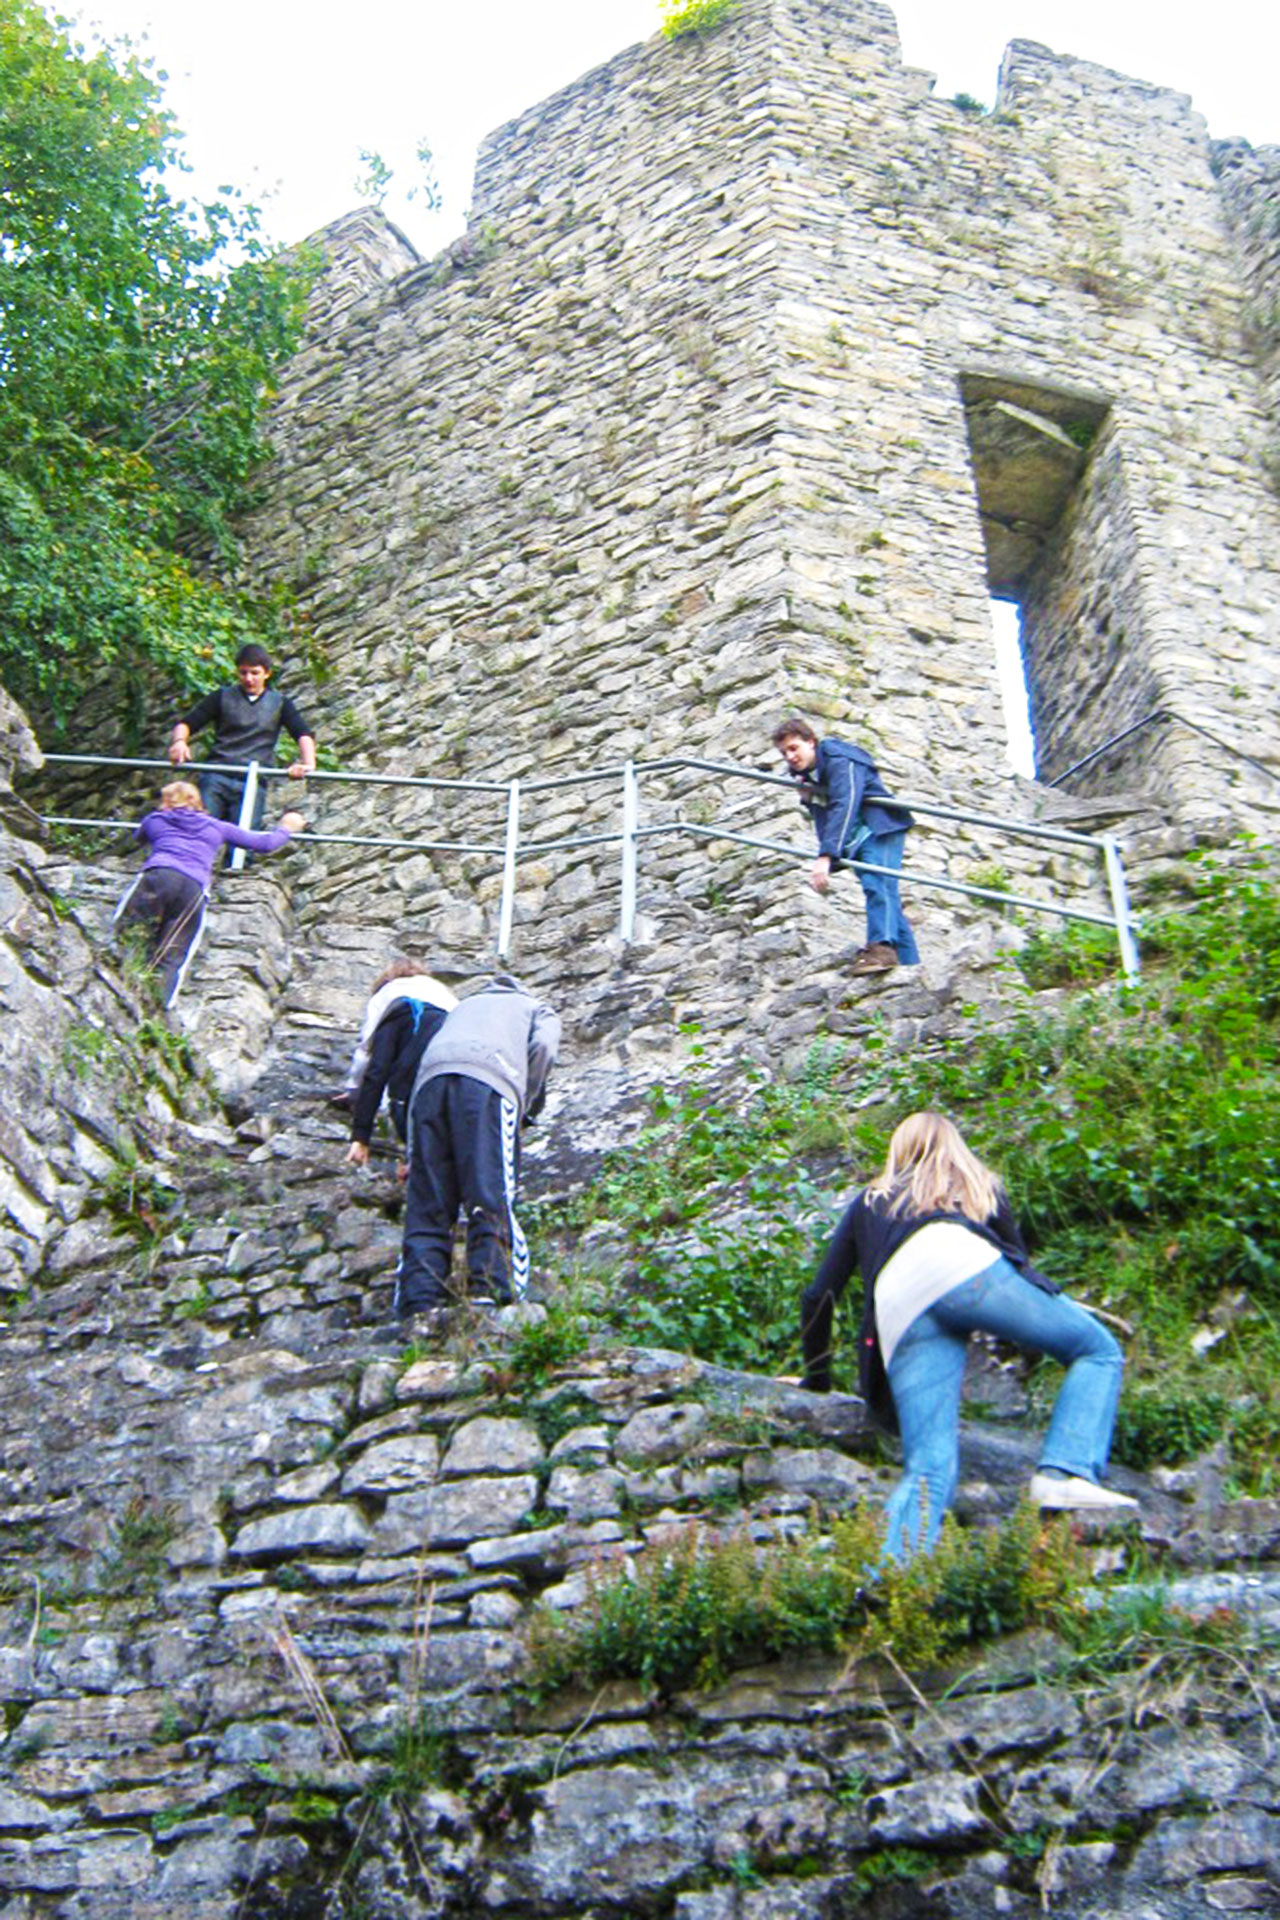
{"x": 680, "y": 17}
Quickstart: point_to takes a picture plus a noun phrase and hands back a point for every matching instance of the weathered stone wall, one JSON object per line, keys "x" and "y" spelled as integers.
{"x": 677, "y": 437}
{"x": 1148, "y": 302}
{"x": 1250, "y": 185}
{"x": 1082, "y": 604}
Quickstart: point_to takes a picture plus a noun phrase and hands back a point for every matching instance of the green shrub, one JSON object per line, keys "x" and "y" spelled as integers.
{"x": 1143, "y": 1111}
{"x": 732, "y": 1294}
{"x": 546, "y": 1344}
{"x": 891, "y": 1866}
{"x": 976, "y": 1585}
{"x": 695, "y": 16}
{"x": 560, "y": 1413}
{"x": 725, "y": 1289}
{"x": 700, "y": 1138}
{"x": 1072, "y": 956}
{"x": 1167, "y": 1426}
{"x": 311, "y": 1809}
{"x": 1255, "y": 1442}
{"x": 689, "y": 1613}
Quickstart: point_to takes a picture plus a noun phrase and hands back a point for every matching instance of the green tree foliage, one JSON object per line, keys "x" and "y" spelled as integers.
{"x": 138, "y": 337}
{"x": 373, "y": 182}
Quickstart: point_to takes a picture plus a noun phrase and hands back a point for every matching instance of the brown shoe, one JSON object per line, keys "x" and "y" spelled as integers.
{"x": 880, "y": 957}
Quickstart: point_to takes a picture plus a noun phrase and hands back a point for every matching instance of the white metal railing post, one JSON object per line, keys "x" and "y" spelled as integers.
{"x": 509, "y": 870}
{"x": 1120, "y": 906}
{"x": 248, "y": 804}
{"x": 630, "y": 823}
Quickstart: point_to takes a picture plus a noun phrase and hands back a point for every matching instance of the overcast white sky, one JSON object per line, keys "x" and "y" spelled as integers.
{"x": 279, "y": 97}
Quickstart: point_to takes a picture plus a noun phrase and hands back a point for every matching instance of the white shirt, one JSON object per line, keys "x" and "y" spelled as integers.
{"x": 937, "y": 1257}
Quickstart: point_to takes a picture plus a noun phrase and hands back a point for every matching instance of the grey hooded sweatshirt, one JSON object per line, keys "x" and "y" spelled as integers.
{"x": 501, "y": 1036}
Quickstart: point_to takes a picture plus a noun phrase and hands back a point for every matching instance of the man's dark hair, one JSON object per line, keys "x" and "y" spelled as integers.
{"x": 253, "y": 655}
{"x": 793, "y": 728}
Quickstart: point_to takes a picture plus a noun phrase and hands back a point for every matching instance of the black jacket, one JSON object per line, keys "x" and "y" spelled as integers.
{"x": 867, "y": 1237}
{"x": 395, "y": 1054}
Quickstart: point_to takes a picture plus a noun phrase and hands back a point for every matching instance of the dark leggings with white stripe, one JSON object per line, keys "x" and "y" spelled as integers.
{"x": 171, "y": 907}
{"x": 466, "y": 1152}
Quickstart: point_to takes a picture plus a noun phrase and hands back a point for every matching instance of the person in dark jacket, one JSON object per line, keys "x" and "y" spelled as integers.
{"x": 247, "y": 720}
{"x": 844, "y": 796}
{"x": 941, "y": 1257}
{"x": 171, "y": 893}
{"x": 483, "y": 1075}
{"x": 387, "y": 989}
{"x": 410, "y": 1008}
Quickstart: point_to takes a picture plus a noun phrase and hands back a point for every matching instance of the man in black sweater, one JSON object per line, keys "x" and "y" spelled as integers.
{"x": 247, "y": 719}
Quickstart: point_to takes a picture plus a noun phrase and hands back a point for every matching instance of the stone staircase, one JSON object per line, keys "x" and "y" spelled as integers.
{"x": 254, "y": 1552}
{"x": 267, "y": 1574}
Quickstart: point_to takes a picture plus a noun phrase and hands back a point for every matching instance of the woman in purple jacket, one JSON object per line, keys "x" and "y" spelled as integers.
{"x": 169, "y": 896}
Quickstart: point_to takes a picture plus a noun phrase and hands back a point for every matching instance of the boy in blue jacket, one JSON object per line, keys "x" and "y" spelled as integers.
{"x": 844, "y": 796}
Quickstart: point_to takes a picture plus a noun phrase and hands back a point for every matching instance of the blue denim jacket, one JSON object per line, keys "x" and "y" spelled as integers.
{"x": 841, "y": 795}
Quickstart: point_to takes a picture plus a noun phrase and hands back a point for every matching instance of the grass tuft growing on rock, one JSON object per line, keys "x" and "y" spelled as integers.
{"x": 688, "y": 1614}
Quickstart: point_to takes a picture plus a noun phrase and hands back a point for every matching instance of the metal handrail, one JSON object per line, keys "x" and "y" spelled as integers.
{"x": 320, "y": 839}
{"x": 934, "y": 880}
{"x": 906, "y": 803}
{"x": 510, "y": 849}
{"x": 240, "y": 767}
{"x": 1162, "y": 713}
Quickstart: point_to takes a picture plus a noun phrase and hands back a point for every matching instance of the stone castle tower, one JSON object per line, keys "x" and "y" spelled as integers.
{"x": 760, "y": 371}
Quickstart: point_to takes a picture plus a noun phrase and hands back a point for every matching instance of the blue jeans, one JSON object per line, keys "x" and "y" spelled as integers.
{"x": 223, "y": 796}
{"x": 927, "y": 1369}
{"x": 886, "y": 922}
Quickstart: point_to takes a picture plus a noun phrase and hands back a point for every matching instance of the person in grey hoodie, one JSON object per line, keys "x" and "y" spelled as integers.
{"x": 483, "y": 1075}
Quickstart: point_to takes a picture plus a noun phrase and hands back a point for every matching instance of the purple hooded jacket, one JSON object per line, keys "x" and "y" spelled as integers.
{"x": 190, "y": 841}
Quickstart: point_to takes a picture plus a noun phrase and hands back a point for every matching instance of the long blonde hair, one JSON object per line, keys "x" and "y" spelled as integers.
{"x": 929, "y": 1169}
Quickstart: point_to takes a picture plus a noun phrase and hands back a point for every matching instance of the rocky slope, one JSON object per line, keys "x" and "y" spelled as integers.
{"x": 268, "y": 1573}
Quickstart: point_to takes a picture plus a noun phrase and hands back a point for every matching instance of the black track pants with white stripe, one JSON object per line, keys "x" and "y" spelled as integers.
{"x": 466, "y": 1152}
{"x": 170, "y": 905}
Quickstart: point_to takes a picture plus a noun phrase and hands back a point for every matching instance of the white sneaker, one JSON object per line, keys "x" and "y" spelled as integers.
{"x": 1076, "y": 1495}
